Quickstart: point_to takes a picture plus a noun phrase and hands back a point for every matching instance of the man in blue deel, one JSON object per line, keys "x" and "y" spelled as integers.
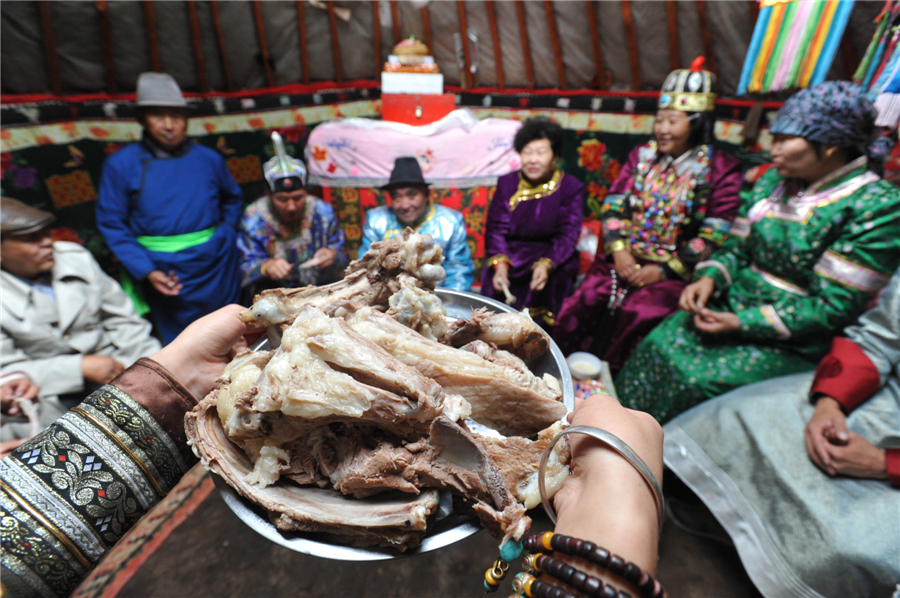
{"x": 169, "y": 209}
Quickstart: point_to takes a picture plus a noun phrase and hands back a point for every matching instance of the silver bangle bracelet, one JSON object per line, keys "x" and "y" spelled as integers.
{"x": 618, "y": 445}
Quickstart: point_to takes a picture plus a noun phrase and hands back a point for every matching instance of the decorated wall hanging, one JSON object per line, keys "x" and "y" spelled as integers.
{"x": 793, "y": 44}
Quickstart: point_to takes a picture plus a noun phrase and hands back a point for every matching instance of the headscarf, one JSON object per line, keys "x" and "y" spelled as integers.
{"x": 833, "y": 113}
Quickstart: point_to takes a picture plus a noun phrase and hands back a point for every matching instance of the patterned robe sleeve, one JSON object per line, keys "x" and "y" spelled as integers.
{"x": 723, "y": 265}
{"x": 856, "y": 265}
{"x": 252, "y": 246}
{"x": 333, "y": 237}
{"x": 568, "y": 225}
{"x": 496, "y": 228}
{"x": 70, "y": 493}
{"x": 615, "y": 213}
{"x": 721, "y": 206}
{"x": 369, "y": 235}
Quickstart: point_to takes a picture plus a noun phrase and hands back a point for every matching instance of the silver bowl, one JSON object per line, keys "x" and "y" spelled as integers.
{"x": 448, "y": 527}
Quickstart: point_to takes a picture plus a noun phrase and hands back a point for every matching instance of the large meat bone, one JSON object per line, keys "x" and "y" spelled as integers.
{"x": 370, "y": 280}
{"x": 317, "y": 369}
{"x": 513, "y": 332}
{"x": 325, "y": 372}
{"x": 395, "y": 520}
{"x": 518, "y": 460}
{"x": 424, "y": 312}
{"x": 511, "y": 401}
{"x": 361, "y": 462}
{"x": 502, "y": 515}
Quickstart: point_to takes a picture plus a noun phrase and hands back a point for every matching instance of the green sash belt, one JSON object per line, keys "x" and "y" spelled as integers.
{"x": 170, "y": 244}
{"x": 176, "y": 243}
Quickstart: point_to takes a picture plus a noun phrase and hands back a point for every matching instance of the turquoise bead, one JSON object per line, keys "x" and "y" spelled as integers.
{"x": 489, "y": 588}
{"x": 511, "y": 551}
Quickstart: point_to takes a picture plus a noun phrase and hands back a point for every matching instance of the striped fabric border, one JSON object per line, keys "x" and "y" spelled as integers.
{"x": 779, "y": 283}
{"x": 775, "y": 322}
{"x": 73, "y": 491}
{"x": 845, "y": 271}
{"x": 740, "y": 228}
{"x": 24, "y": 136}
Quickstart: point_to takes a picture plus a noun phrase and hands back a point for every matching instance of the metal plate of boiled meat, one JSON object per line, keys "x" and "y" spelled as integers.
{"x": 448, "y": 527}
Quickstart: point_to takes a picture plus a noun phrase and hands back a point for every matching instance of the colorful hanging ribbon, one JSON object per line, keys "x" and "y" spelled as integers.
{"x": 793, "y": 44}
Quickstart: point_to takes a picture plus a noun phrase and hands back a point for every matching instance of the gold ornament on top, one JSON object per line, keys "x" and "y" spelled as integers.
{"x": 689, "y": 90}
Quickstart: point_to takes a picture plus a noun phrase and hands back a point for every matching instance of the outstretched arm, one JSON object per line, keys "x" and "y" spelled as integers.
{"x": 134, "y": 424}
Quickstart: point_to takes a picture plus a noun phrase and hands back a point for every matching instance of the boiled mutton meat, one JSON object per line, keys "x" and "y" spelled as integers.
{"x": 370, "y": 280}
{"x": 298, "y": 394}
{"x": 513, "y": 332}
{"x": 510, "y": 400}
{"x": 395, "y": 519}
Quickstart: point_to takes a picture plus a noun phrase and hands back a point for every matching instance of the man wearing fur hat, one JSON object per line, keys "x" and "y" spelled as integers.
{"x": 169, "y": 209}
{"x": 288, "y": 237}
{"x": 64, "y": 324}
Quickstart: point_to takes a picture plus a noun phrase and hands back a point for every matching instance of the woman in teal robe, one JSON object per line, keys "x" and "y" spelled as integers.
{"x": 818, "y": 239}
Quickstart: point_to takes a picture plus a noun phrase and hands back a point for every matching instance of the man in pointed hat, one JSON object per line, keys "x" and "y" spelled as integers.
{"x": 288, "y": 237}
{"x": 169, "y": 209}
{"x": 67, "y": 326}
{"x": 411, "y": 205}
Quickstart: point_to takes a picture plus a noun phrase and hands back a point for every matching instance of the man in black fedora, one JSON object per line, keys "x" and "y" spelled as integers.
{"x": 411, "y": 205}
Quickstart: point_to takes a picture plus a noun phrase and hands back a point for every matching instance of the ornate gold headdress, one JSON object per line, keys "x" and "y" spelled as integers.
{"x": 690, "y": 90}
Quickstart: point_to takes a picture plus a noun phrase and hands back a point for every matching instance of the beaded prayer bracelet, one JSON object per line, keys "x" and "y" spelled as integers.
{"x": 647, "y": 585}
{"x": 535, "y": 588}
{"x": 533, "y": 565}
{"x": 581, "y": 581}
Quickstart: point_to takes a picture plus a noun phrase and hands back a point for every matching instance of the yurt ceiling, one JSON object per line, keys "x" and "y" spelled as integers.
{"x": 101, "y": 47}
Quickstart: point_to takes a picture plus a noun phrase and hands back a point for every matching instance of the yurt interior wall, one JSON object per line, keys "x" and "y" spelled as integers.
{"x": 69, "y": 70}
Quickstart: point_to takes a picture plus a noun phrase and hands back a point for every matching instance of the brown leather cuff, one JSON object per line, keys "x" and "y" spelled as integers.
{"x": 151, "y": 385}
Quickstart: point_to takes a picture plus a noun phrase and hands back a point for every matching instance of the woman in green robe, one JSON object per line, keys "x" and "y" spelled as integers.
{"x": 819, "y": 237}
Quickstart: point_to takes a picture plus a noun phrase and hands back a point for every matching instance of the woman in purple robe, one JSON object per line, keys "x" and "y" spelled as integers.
{"x": 532, "y": 228}
{"x": 671, "y": 206}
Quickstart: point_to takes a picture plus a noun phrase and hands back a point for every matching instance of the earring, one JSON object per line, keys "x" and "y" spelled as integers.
{"x": 830, "y": 151}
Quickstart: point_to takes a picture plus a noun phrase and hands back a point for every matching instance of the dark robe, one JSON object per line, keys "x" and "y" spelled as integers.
{"x": 545, "y": 228}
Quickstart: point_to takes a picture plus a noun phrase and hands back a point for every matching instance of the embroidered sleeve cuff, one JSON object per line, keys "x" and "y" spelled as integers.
{"x": 613, "y": 202}
{"x": 892, "y": 457}
{"x": 617, "y": 245}
{"x": 151, "y": 385}
{"x": 544, "y": 261}
{"x": 740, "y": 228}
{"x": 677, "y": 268}
{"x": 496, "y": 259}
{"x": 846, "y": 374}
{"x": 763, "y": 323}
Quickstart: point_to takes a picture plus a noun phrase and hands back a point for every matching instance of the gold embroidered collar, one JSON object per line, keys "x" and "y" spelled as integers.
{"x": 527, "y": 192}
